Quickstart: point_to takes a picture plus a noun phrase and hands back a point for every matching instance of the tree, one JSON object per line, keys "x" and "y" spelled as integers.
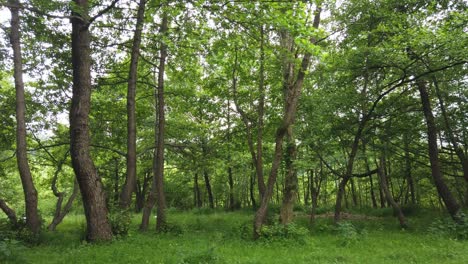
{"x": 157, "y": 188}
{"x": 92, "y": 192}
{"x": 130, "y": 180}
{"x": 33, "y": 220}
{"x": 292, "y": 93}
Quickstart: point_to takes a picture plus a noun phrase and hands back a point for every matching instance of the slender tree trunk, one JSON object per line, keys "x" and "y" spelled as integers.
{"x": 349, "y": 168}
{"x": 388, "y": 194}
{"x": 315, "y": 185}
{"x": 159, "y": 162}
{"x": 290, "y": 188}
{"x": 451, "y": 136}
{"x": 353, "y": 193}
{"x": 450, "y": 203}
{"x": 252, "y": 189}
{"x": 157, "y": 194}
{"x": 232, "y": 203}
{"x": 33, "y": 221}
{"x": 261, "y": 110}
{"x": 116, "y": 182}
{"x": 208, "y": 188}
{"x": 60, "y": 212}
{"x": 292, "y": 96}
{"x": 130, "y": 179}
{"x": 141, "y": 191}
{"x": 409, "y": 177}
{"x": 11, "y": 214}
{"x": 92, "y": 192}
{"x": 198, "y": 200}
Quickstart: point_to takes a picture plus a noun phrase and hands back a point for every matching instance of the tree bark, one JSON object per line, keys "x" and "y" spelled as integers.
{"x": 92, "y": 192}
{"x": 450, "y": 203}
{"x": 11, "y": 214}
{"x": 130, "y": 180}
{"x": 291, "y": 183}
{"x": 33, "y": 221}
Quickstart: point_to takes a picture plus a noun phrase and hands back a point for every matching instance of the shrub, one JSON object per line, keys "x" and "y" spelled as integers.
{"x": 120, "y": 220}
{"x": 449, "y": 228}
{"x": 280, "y": 232}
{"x": 348, "y": 233}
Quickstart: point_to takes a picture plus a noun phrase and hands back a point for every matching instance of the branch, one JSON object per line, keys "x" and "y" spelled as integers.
{"x": 37, "y": 11}
{"x": 102, "y": 12}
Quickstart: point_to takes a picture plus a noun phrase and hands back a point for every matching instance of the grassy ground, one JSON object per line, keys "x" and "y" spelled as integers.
{"x": 221, "y": 237}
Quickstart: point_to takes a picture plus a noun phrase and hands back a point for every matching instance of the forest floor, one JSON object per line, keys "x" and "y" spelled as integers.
{"x": 204, "y": 236}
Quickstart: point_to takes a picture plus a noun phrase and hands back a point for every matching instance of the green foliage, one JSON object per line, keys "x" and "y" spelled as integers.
{"x": 215, "y": 242}
{"x": 347, "y": 233}
{"x": 10, "y": 246}
{"x": 446, "y": 227}
{"x": 284, "y": 233}
{"x": 203, "y": 257}
{"x": 120, "y": 220}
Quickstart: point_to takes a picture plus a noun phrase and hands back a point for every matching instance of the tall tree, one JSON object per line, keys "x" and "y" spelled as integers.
{"x": 130, "y": 180}
{"x": 33, "y": 221}
{"x": 92, "y": 192}
{"x": 450, "y": 203}
{"x": 292, "y": 93}
{"x": 157, "y": 189}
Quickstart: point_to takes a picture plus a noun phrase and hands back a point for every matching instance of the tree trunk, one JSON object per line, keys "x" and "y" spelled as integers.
{"x": 353, "y": 193}
{"x": 196, "y": 190}
{"x": 141, "y": 191}
{"x": 130, "y": 179}
{"x": 315, "y": 186}
{"x": 157, "y": 194}
{"x": 261, "y": 110}
{"x": 409, "y": 177}
{"x": 159, "y": 162}
{"x": 291, "y": 183}
{"x": 11, "y": 214}
{"x": 116, "y": 182}
{"x": 92, "y": 192}
{"x": 388, "y": 194}
{"x": 450, "y": 203}
{"x": 208, "y": 189}
{"x": 252, "y": 189}
{"x": 33, "y": 221}
{"x": 451, "y": 136}
{"x": 232, "y": 203}
{"x": 60, "y": 213}
{"x": 292, "y": 94}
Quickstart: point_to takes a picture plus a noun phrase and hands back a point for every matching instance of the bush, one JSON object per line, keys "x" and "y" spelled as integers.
{"x": 446, "y": 227}
{"x": 120, "y": 220}
{"x": 280, "y": 232}
{"x": 348, "y": 233}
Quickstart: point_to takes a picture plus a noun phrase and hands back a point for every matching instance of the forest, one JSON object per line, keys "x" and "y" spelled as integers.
{"x": 233, "y": 131}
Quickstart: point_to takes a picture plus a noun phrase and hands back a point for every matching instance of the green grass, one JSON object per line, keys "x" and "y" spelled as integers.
{"x": 216, "y": 237}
